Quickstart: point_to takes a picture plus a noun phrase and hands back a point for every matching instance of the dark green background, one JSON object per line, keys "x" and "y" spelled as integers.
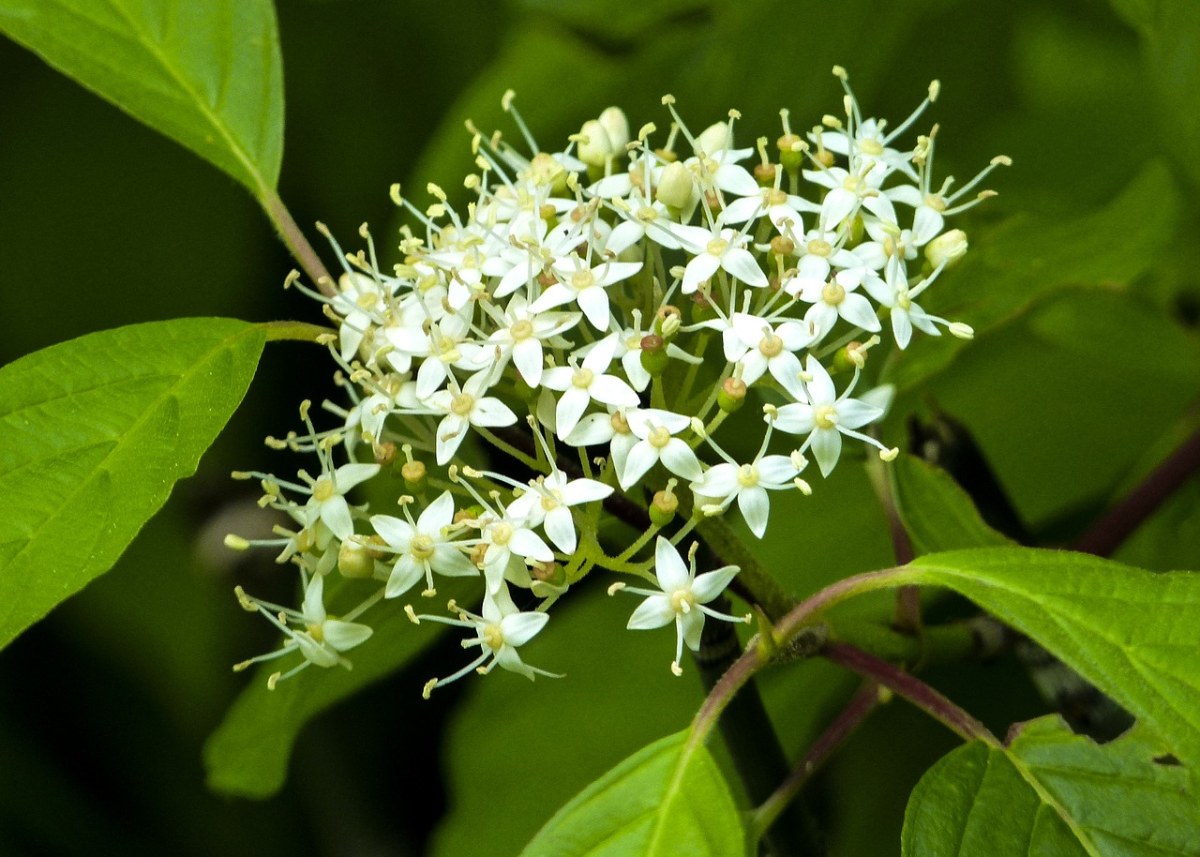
{"x": 104, "y": 707}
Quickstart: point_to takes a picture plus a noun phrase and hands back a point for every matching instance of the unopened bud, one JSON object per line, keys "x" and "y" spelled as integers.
{"x": 947, "y": 249}
{"x": 667, "y": 321}
{"x": 675, "y": 186}
{"x": 355, "y": 560}
{"x": 961, "y": 330}
{"x": 791, "y": 151}
{"x": 594, "y": 148}
{"x": 713, "y": 138}
{"x": 616, "y": 125}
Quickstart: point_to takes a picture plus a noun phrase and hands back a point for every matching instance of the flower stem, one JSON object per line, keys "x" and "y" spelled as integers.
{"x": 848, "y": 720}
{"x": 911, "y": 688}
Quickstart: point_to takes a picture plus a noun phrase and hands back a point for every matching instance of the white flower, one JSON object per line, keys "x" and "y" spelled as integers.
{"x": 328, "y": 502}
{"x": 772, "y": 348}
{"x": 833, "y": 299}
{"x": 826, "y": 417}
{"x": 499, "y": 632}
{"x": 521, "y": 332}
{"x": 547, "y": 504}
{"x": 583, "y": 384}
{"x": 681, "y": 599}
{"x": 654, "y": 429}
{"x": 747, "y": 483}
{"x": 423, "y": 546}
{"x": 895, "y": 294}
{"x": 585, "y": 286}
{"x": 725, "y": 250}
{"x": 320, "y": 641}
{"x": 465, "y": 408}
{"x": 446, "y": 343}
{"x": 506, "y": 537}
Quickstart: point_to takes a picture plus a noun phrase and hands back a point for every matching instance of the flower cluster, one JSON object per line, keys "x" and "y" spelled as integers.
{"x": 551, "y": 362}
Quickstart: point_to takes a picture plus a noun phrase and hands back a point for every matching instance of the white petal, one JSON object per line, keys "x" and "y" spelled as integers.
{"x": 775, "y": 469}
{"x": 584, "y": 491}
{"x": 795, "y": 419}
{"x": 519, "y": 628}
{"x": 527, "y": 543}
{"x": 853, "y": 413}
{"x": 344, "y": 635}
{"x": 640, "y": 459}
{"x": 594, "y": 303}
{"x": 492, "y": 412}
{"x": 720, "y": 481}
{"x": 820, "y": 388}
{"x": 611, "y": 390}
{"x": 709, "y": 585}
{"x": 591, "y": 430}
{"x": 527, "y": 356}
{"x": 858, "y": 311}
{"x": 700, "y": 268}
{"x": 678, "y": 457}
{"x": 395, "y": 532}
{"x": 349, "y": 475}
{"x": 691, "y": 626}
{"x": 571, "y": 406}
{"x": 560, "y": 529}
{"x": 741, "y": 264}
{"x": 901, "y": 327}
{"x": 826, "y": 447}
{"x": 448, "y": 561}
{"x": 314, "y": 652}
{"x": 314, "y": 601}
{"x": 669, "y": 567}
{"x": 654, "y": 612}
{"x": 755, "y": 507}
{"x": 335, "y": 512}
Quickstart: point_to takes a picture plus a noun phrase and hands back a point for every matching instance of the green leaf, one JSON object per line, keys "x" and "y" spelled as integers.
{"x": 668, "y": 798}
{"x": 1130, "y": 632}
{"x": 1011, "y": 271}
{"x": 1056, "y": 793}
{"x": 208, "y": 75}
{"x": 248, "y": 754}
{"x": 937, "y": 513}
{"x": 93, "y": 434}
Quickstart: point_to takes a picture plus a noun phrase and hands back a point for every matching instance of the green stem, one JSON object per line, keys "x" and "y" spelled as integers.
{"x": 294, "y": 331}
{"x": 296, "y": 243}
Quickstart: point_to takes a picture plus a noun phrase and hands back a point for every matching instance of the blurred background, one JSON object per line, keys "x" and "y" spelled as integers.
{"x": 1085, "y": 374}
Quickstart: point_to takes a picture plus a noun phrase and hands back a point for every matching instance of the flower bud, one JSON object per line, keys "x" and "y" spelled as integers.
{"x": 732, "y": 394}
{"x": 791, "y": 152}
{"x": 667, "y": 321}
{"x": 675, "y": 186}
{"x": 713, "y": 138}
{"x": 947, "y": 248}
{"x": 617, "y": 126}
{"x": 595, "y": 148}
{"x": 355, "y": 561}
{"x": 654, "y": 355}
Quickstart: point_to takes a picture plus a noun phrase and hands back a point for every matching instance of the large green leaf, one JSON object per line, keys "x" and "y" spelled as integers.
{"x": 1055, "y": 793}
{"x": 668, "y": 798}
{"x": 207, "y": 74}
{"x": 248, "y": 754}
{"x": 1130, "y": 632}
{"x": 93, "y": 434}
{"x": 1036, "y": 257}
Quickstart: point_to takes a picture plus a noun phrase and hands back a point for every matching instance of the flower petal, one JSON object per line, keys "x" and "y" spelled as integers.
{"x": 654, "y": 612}
{"x": 669, "y": 567}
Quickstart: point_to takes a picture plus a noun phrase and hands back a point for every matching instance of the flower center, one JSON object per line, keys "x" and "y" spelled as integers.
{"x": 422, "y": 547}
{"x": 870, "y": 147}
{"x": 774, "y": 196}
{"x": 852, "y": 183}
{"x": 819, "y": 247}
{"x": 718, "y": 246}
{"x": 462, "y": 404}
{"x": 747, "y": 476}
{"x": 682, "y": 600}
{"x": 316, "y": 631}
{"x": 659, "y": 437}
{"x": 619, "y": 423}
{"x": 582, "y": 279}
{"x": 770, "y": 345}
{"x": 825, "y": 417}
{"x": 502, "y": 533}
{"x": 937, "y": 203}
{"x": 324, "y": 489}
{"x": 646, "y": 214}
{"x": 493, "y": 636}
{"x": 583, "y": 378}
{"x": 523, "y": 329}
{"x": 903, "y": 301}
{"x": 833, "y": 294}
{"x": 365, "y": 301}
{"x": 549, "y": 502}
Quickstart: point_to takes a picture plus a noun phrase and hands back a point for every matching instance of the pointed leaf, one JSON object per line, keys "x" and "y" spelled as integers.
{"x": 668, "y": 798}
{"x": 937, "y": 513}
{"x": 1053, "y": 792}
{"x": 1130, "y": 632}
{"x": 93, "y": 434}
{"x": 207, "y": 74}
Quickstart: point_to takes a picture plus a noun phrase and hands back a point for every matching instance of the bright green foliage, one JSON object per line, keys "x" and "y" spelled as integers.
{"x": 1035, "y": 258}
{"x": 93, "y": 434}
{"x": 668, "y": 798}
{"x": 1130, "y": 632}
{"x": 248, "y": 755}
{"x": 207, "y": 74}
{"x": 1055, "y": 793}
{"x": 937, "y": 513}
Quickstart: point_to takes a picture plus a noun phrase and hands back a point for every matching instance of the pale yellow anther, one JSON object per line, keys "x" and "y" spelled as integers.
{"x": 840, "y": 73}
{"x": 506, "y": 99}
{"x": 676, "y": 668}
{"x": 427, "y": 690}
{"x": 273, "y": 679}
{"x": 237, "y": 543}
{"x": 935, "y": 88}
{"x": 889, "y": 454}
{"x": 616, "y": 587}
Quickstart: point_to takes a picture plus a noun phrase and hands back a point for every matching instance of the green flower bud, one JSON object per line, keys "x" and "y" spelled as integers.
{"x": 732, "y": 395}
